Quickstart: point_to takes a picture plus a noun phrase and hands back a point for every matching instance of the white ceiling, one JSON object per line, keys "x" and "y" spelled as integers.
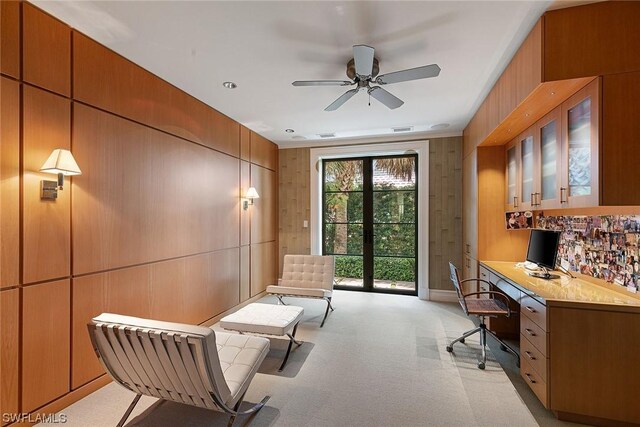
{"x": 263, "y": 46}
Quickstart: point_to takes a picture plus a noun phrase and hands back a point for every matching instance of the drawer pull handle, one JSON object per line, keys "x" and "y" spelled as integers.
{"x": 530, "y": 310}
{"x": 530, "y": 332}
{"x": 531, "y": 380}
{"x": 529, "y": 355}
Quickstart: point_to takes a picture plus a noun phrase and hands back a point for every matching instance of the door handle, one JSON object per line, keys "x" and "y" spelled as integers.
{"x": 529, "y": 355}
{"x": 530, "y": 332}
{"x": 530, "y": 310}
{"x": 468, "y": 248}
{"x": 563, "y": 190}
{"x": 515, "y": 201}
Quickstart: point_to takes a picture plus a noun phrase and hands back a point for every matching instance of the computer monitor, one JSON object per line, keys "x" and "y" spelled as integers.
{"x": 543, "y": 248}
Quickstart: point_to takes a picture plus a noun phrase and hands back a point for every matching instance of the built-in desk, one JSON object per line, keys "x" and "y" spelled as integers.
{"x": 579, "y": 343}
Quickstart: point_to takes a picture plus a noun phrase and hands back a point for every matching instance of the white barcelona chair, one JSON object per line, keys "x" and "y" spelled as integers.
{"x": 194, "y": 365}
{"x": 306, "y": 276}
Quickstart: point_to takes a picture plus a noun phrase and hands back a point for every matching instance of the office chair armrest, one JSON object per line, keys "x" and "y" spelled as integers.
{"x": 476, "y": 280}
{"x": 502, "y": 296}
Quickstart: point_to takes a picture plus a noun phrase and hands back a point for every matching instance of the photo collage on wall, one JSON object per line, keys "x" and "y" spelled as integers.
{"x": 605, "y": 247}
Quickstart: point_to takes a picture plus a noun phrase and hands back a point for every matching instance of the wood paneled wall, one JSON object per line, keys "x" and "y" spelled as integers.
{"x": 445, "y": 205}
{"x": 445, "y": 209}
{"x": 153, "y": 227}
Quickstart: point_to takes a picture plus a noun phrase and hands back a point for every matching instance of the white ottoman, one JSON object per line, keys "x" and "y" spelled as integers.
{"x": 266, "y": 319}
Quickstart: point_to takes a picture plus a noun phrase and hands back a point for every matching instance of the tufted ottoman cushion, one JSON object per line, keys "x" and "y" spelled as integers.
{"x": 266, "y": 319}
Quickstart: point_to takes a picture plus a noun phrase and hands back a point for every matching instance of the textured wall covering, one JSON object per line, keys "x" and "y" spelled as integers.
{"x": 445, "y": 205}
{"x": 294, "y": 206}
{"x": 445, "y": 209}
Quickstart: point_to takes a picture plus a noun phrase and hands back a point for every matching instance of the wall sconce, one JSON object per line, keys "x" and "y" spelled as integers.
{"x": 60, "y": 162}
{"x": 251, "y": 195}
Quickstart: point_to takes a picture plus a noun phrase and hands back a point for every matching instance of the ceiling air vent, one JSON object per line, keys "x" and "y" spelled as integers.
{"x": 403, "y": 129}
{"x": 327, "y": 135}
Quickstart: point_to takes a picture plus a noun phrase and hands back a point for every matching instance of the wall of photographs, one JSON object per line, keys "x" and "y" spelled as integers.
{"x": 605, "y": 246}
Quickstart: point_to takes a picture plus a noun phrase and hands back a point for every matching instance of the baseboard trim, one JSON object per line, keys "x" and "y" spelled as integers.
{"x": 441, "y": 295}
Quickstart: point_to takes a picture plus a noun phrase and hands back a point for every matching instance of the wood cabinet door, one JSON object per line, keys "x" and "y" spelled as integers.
{"x": 580, "y": 136}
{"x": 470, "y": 204}
{"x": 548, "y": 149}
{"x": 512, "y": 167}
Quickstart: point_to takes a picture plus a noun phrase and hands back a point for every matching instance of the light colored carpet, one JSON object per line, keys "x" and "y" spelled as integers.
{"x": 380, "y": 360}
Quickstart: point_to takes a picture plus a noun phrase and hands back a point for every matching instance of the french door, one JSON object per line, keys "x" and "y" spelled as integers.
{"x": 369, "y": 220}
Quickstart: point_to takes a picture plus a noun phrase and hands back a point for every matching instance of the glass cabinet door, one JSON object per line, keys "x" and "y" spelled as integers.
{"x": 512, "y": 175}
{"x": 526, "y": 162}
{"x": 580, "y": 148}
{"x": 549, "y": 135}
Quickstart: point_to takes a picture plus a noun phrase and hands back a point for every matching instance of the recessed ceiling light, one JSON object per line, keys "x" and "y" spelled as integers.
{"x": 440, "y": 126}
{"x": 230, "y": 85}
{"x": 289, "y": 130}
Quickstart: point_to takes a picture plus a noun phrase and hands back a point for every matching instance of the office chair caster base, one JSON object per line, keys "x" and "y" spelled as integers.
{"x": 461, "y": 341}
{"x": 480, "y": 365}
{"x": 449, "y": 349}
{"x": 503, "y": 347}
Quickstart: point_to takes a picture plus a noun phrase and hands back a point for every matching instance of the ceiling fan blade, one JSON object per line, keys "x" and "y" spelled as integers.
{"x": 385, "y": 97}
{"x": 406, "y": 75}
{"x": 322, "y": 83}
{"x": 344, "y": 98}
{"x": 363, "y": 59}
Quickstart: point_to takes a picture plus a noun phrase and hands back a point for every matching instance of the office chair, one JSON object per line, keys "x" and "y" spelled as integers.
{"x": 495, "y": 306}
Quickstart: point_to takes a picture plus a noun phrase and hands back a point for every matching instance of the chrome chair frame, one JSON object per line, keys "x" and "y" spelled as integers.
{"x": 482, "y": 327}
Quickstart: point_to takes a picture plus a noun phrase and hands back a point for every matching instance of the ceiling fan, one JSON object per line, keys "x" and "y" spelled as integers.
{"x": 362, "y": 69}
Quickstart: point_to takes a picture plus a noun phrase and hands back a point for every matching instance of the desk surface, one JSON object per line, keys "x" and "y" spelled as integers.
{"x": 563, "y": 289}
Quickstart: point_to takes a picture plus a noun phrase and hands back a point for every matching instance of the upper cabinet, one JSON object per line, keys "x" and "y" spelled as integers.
{"x": 10, "y": 38}
{"x": 565, "y": 50}
{"x": 554, "y": 164}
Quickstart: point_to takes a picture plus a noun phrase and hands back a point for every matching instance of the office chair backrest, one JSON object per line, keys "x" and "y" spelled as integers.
{"x": 455, "y": 278}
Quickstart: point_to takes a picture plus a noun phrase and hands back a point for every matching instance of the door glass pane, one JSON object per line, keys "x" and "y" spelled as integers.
{"x": 349, "y": 271}
{"x": 398, "y": 173}
{"x": 343, "y": 207}
{"x": 394, "y": 206}
{"x": 397, "y": 273}
{"x": 343, "y": 175}
{"x": 526, "y": 150}
{"x": 548, "y": 148}
{"x": 394, "y": 239}
{"x": 343, "y": 239}
{"x": 511, "y": 174}
{"x": 579, "y": 121}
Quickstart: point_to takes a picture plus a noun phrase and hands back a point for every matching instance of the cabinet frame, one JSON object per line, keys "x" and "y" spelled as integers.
{"x": 514, "y": 203}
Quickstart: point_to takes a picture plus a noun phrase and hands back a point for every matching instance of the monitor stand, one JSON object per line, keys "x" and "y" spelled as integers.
{"x": 544, "y": 274}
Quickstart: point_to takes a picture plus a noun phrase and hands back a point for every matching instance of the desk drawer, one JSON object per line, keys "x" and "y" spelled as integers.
{"x": 534, "y": 333}
{"x": 507, "y": 288}
{"x": 533, "y": 357}
{"x": 534, "y": 310}
{"x": 535, "y": 381}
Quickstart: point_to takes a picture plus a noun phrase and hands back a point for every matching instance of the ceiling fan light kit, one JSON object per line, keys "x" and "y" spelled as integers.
{"x": 363, "y": 71}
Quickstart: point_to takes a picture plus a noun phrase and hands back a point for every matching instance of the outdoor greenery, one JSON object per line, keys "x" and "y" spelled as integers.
{"x": 394, "y": 211}
{"x": 394, "y": 269}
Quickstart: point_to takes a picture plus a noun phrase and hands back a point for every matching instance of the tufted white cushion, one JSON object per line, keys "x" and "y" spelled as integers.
{"x": 308, "y": 271}
{"x": 263, "y": 319}
{"x": 240, "y": 357}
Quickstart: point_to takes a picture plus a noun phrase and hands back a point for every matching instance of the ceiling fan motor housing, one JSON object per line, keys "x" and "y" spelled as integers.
{"x": 351, "y": 69}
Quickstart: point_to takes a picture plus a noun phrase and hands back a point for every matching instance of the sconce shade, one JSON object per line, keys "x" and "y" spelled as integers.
{"x": 61, "y": 161}
{"x": 252, "y": 193}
